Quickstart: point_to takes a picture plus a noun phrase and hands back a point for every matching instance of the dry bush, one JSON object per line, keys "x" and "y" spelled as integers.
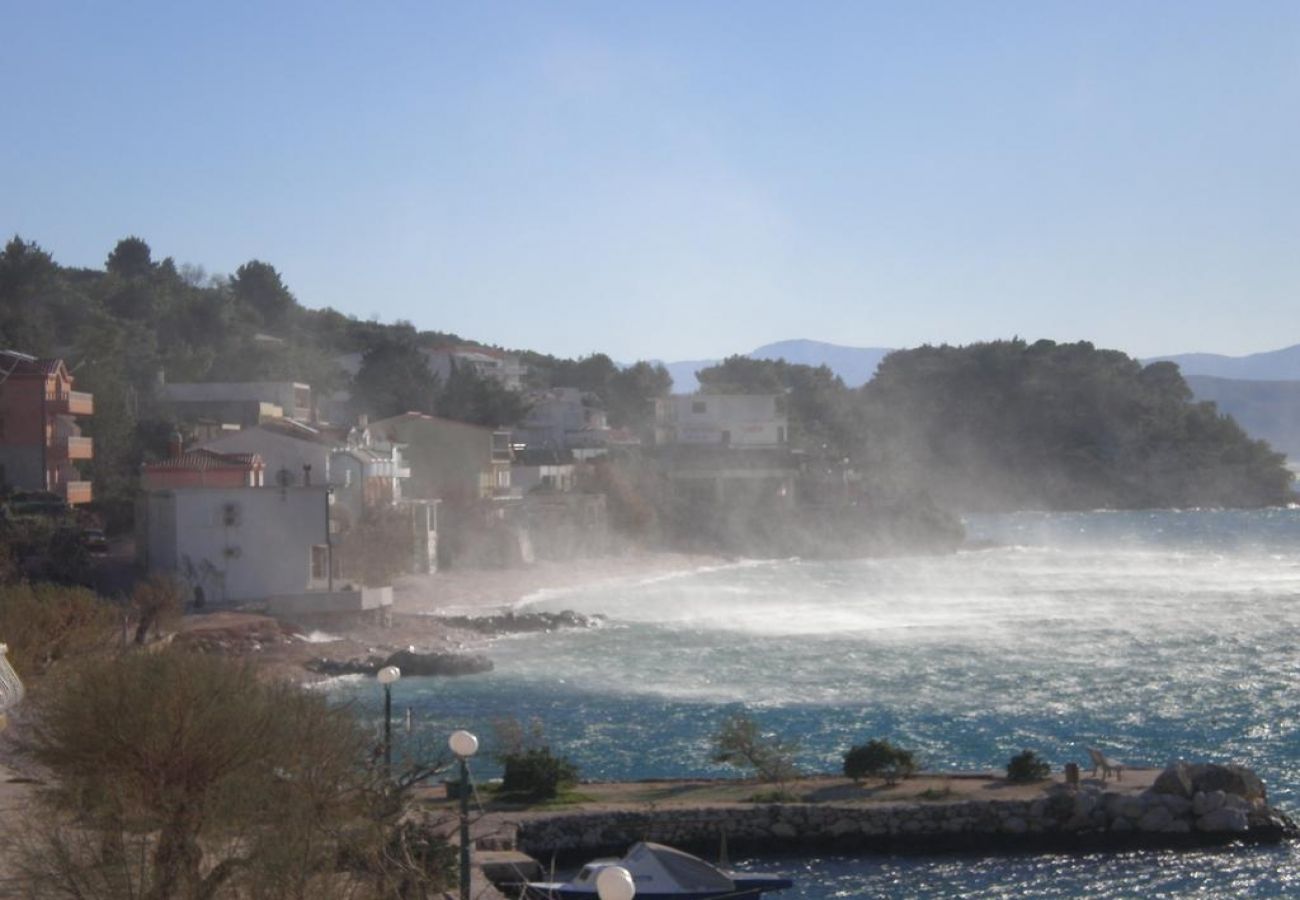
{"x": 186, "y": 776}
{"x": 157, "y": 604}
{"x": 43, "y": 623}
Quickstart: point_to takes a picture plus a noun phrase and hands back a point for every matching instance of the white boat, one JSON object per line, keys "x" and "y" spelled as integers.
{"x": 662, "y": 873}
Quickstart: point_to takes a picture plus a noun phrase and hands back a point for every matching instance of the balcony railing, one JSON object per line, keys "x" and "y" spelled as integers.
{"x": 76, "y": 492}
{"x": 72, "y": 448}
{"x": 71, "y": 403}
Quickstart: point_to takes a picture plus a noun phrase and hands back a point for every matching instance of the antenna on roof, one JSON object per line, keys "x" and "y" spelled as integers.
{"x": 16, "y": 358}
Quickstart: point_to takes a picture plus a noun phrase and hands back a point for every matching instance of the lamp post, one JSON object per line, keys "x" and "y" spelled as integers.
{"x": 615, "y": 883}
{"x": 464, "y": 745}
{"x": 388, "y": 676}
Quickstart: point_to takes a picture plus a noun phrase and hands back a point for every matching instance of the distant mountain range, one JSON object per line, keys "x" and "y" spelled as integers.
{"x": 1275, "y": 365}
{"x": 1261, "y": 391}
{"x": 856, "y": 365}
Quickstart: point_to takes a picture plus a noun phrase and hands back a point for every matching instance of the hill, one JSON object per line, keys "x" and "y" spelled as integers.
{"x": 1269, "y": 410}
{"x": 855, "y": 365}
{"x": 1274, "y": 365}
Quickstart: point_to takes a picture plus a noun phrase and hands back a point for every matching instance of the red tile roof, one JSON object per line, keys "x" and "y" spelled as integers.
{"x": 206, "y": 461}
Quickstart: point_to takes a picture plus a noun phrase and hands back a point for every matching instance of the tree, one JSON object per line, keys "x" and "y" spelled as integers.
{"x": 740, "y": 743}
{"x": 259, "y": 286}
{"x": 479, "y": 400}
{"x": 879, "y": 758}
{"x": 156, "y": 603}
{"x": 191, "y": 776}
{"x": 131, "y": 258}
{"x": 394, "y": 378}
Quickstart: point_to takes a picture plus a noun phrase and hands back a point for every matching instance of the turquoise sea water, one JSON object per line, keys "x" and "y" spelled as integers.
{"x": 1156, "y": 635}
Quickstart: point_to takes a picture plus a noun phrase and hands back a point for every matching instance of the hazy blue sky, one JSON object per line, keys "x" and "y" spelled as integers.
{"x": 682, "y": 180}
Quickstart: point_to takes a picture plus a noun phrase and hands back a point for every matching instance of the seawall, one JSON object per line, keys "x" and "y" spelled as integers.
{"x": 1183, "y": 806}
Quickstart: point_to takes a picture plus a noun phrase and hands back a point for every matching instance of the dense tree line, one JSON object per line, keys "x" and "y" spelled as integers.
{"x": 1008, "y": 424}
{"x": 138, "y": 319}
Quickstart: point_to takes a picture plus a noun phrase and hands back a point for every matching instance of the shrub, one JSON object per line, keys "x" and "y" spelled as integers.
{"x": 43, "y": 623}
{"x": 157, "y": 605}
{"x": 1026, "y": 766}
{"x": 536, "y": 773}
{"x": 192, "y": 777}
{"x": 879, "y": 758}
{"x": 739, "y": 743}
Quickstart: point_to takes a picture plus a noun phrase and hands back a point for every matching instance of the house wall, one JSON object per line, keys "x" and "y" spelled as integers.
{"x": 739, "y": 420}
{"x": 294, "y": 398}
{"x": 35, "y": 428}
{"x": 449, "y": 460}
{"x": 258, "y": 541}
{"x": 278, "y": 452}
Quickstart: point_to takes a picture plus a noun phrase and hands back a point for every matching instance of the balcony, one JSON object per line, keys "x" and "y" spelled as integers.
{"x": 70, "y": 448}
{"x": 76, "y": 492}
{"x": 70, "y": 403}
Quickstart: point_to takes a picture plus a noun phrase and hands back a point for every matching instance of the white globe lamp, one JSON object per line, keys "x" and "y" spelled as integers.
{"x": 615, "y": 883}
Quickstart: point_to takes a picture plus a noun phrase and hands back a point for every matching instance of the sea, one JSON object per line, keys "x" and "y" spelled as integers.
{"x": 1155, "y": 635}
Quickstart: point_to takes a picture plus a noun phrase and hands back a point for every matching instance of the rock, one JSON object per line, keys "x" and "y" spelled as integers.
{"x": 1230, "y": 779}
{"x": 1175, "y": 780}
{"x": 1015, "y": 825}
{"x": 512, "y": 622}
{"x": 1207, "y": 801}
{"x": 333, "y": 667}
{"x": 1157, "y": 818}
{"x": 1232, "y": 801}
{"x": 1178, "y": 826}
{"x": 1176, "y": 804}
{"x": 1231, "y": 820}
{"x": 412, "y": 663}
{"x": 1133, "y": 808}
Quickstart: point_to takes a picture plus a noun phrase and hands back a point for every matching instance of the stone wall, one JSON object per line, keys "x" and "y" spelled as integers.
{"x": 1174, "y": 811}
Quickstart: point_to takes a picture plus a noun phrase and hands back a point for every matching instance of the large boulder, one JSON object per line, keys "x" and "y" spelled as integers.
{"x": 413, "y": 663}
{"x": 1231, "y": 779}
{"x": 1175, "y": 780}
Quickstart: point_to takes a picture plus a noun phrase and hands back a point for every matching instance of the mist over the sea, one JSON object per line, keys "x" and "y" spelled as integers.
{"x": 1157, "y": 635}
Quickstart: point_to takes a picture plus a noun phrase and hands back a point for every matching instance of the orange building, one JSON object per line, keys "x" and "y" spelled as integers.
{"x": 40, "y": 440}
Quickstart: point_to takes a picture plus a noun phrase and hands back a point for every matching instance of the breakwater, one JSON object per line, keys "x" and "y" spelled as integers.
{"x": 1184, "y": 806}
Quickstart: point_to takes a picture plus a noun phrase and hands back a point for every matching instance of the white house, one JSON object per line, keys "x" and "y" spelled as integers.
{"x": 239, "y": 544}
{"x": 721, "y": 420}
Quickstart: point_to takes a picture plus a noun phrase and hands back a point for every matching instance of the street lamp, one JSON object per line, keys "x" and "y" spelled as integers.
{"x": 388, "y": 676}
{"x": 615, "y": 883}
{"x": 464, "y": 745}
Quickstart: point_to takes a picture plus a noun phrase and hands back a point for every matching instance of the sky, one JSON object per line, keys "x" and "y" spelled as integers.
{"x": 682, "y": 180}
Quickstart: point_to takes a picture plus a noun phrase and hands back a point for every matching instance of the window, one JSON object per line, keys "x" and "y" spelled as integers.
{"x": 699, "y": 406}
{"x": 320, "y": 560}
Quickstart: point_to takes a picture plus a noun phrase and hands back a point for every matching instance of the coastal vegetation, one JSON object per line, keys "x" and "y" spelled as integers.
{"x": 1027, "y": 766}
{"x": 1014, "y": 425}
{"x": 879, "y": 758}
{"x": 741, "y": 743}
